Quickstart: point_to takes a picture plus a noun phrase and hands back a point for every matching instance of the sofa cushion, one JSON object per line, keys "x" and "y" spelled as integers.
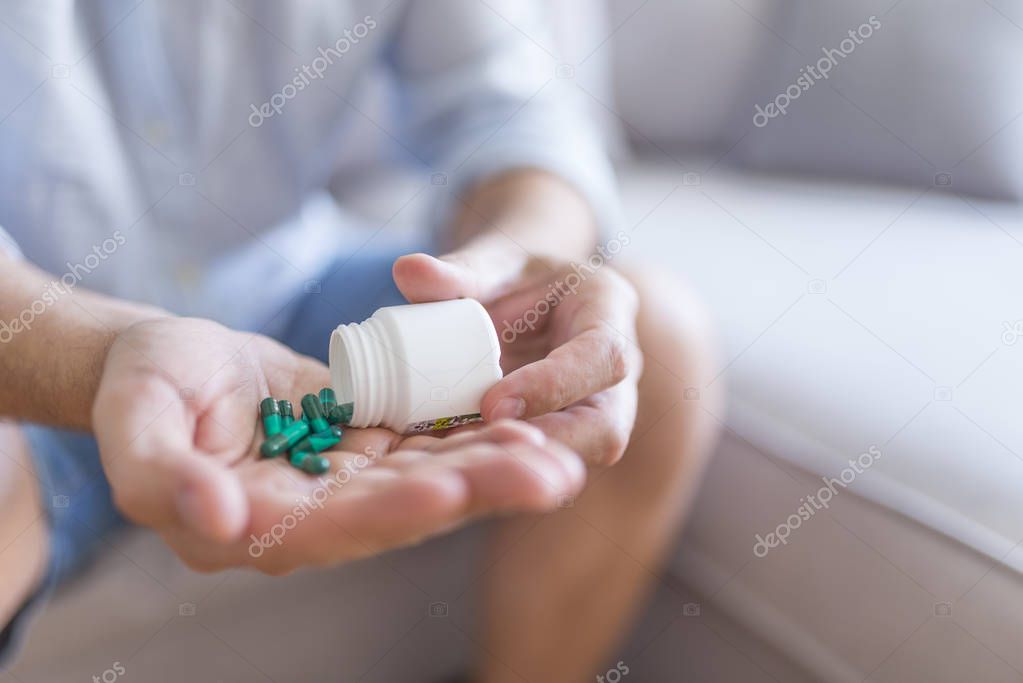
{"x": 924, "y": 93}
{"x": 681, "y": 68}
{"x": 858, "y": 316}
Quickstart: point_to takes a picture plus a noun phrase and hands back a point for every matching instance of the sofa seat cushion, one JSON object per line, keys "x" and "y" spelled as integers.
{"x": 855, "y": 317}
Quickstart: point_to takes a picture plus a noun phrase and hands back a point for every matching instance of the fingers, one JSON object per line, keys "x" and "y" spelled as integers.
{"x": 207, "y": 497}
{"x": 395, "y": 500}
{"x": 600, "y": 352}
{"x": 157, "y": 477}
{"x": 332, "y": 522}
{"x": 421, "y": 277}
{"x": 465, "y": 274}
{"x": 372, "y": 516}
{"x": 585, "y": 365}
{"x": 599, "y": 429}
{"x": 518, "y": 477}
{"x": 509, "y": 465}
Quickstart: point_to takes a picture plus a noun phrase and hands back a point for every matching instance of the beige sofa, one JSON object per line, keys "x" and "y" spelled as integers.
{"x": 853, "y": 315}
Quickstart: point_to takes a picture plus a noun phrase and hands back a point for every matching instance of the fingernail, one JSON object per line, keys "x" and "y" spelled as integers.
{"x": 510, "y": 407}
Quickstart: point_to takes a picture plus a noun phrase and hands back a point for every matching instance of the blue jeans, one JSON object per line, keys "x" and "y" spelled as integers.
{"x": 75, "y": 491}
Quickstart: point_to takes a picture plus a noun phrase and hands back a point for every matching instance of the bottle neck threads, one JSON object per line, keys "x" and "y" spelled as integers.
{"x": 363, "y": 372}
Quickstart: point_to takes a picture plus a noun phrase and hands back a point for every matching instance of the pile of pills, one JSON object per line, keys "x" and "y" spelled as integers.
{"x": 318, "y": 430}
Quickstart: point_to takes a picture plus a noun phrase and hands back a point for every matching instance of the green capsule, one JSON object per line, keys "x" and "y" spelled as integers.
{"x": 311, "y": 406}
{"x": 341, "y": 414}
{"x": 309, "y": 462}
{"x": 327, "y": 399}
{"x": 270, "y": 412}
{"x": 287, "y": 412}
{"x": 320, "y": 441}
{"x": 269, "y": 406}
{"x": 285, "y": 439}
{"x": 315, "y": 464}
{"x": 297, "y": 457}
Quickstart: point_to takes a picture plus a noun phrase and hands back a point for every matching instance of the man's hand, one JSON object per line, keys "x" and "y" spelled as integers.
{"x": 177, "y": 424}
{"x": 568, "y": 350}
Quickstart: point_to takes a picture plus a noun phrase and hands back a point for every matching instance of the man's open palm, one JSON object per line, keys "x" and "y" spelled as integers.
{"x": 176, "y": 420}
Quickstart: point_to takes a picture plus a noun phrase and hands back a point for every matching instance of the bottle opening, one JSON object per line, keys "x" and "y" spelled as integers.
{"x": 341, "y": 376}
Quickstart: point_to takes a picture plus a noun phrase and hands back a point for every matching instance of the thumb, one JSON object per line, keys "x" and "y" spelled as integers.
{"x": 458, "y": 275}
{"x": 156, "y": 476}
{"x": 162, "y": 486}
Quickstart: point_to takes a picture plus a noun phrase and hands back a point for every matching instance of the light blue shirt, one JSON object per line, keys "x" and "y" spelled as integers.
{"x": 181, "y": 152}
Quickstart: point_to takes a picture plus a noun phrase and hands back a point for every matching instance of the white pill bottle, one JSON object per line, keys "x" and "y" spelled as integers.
{"x": 417, "y": 367}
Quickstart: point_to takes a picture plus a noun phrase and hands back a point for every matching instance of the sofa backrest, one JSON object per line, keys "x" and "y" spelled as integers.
{"x": 922, "y": 92}
{"x": 681, "y": 67}
{"x": 930, "y": 97}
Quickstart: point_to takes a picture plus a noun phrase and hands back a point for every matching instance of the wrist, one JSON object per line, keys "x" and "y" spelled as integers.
{"x": 55, "y": 368}
{"x": 109, "y": 323}
{"x": 55, "y": 342}
{"x": 526, "y": 212}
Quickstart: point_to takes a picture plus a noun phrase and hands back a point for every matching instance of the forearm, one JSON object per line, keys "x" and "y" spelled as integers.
{"x": 53, "y": 340}
{"x": 524, "y": 213}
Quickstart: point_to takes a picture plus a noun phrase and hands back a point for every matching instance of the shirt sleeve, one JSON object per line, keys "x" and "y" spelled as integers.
{"x": 480, "y": 92}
